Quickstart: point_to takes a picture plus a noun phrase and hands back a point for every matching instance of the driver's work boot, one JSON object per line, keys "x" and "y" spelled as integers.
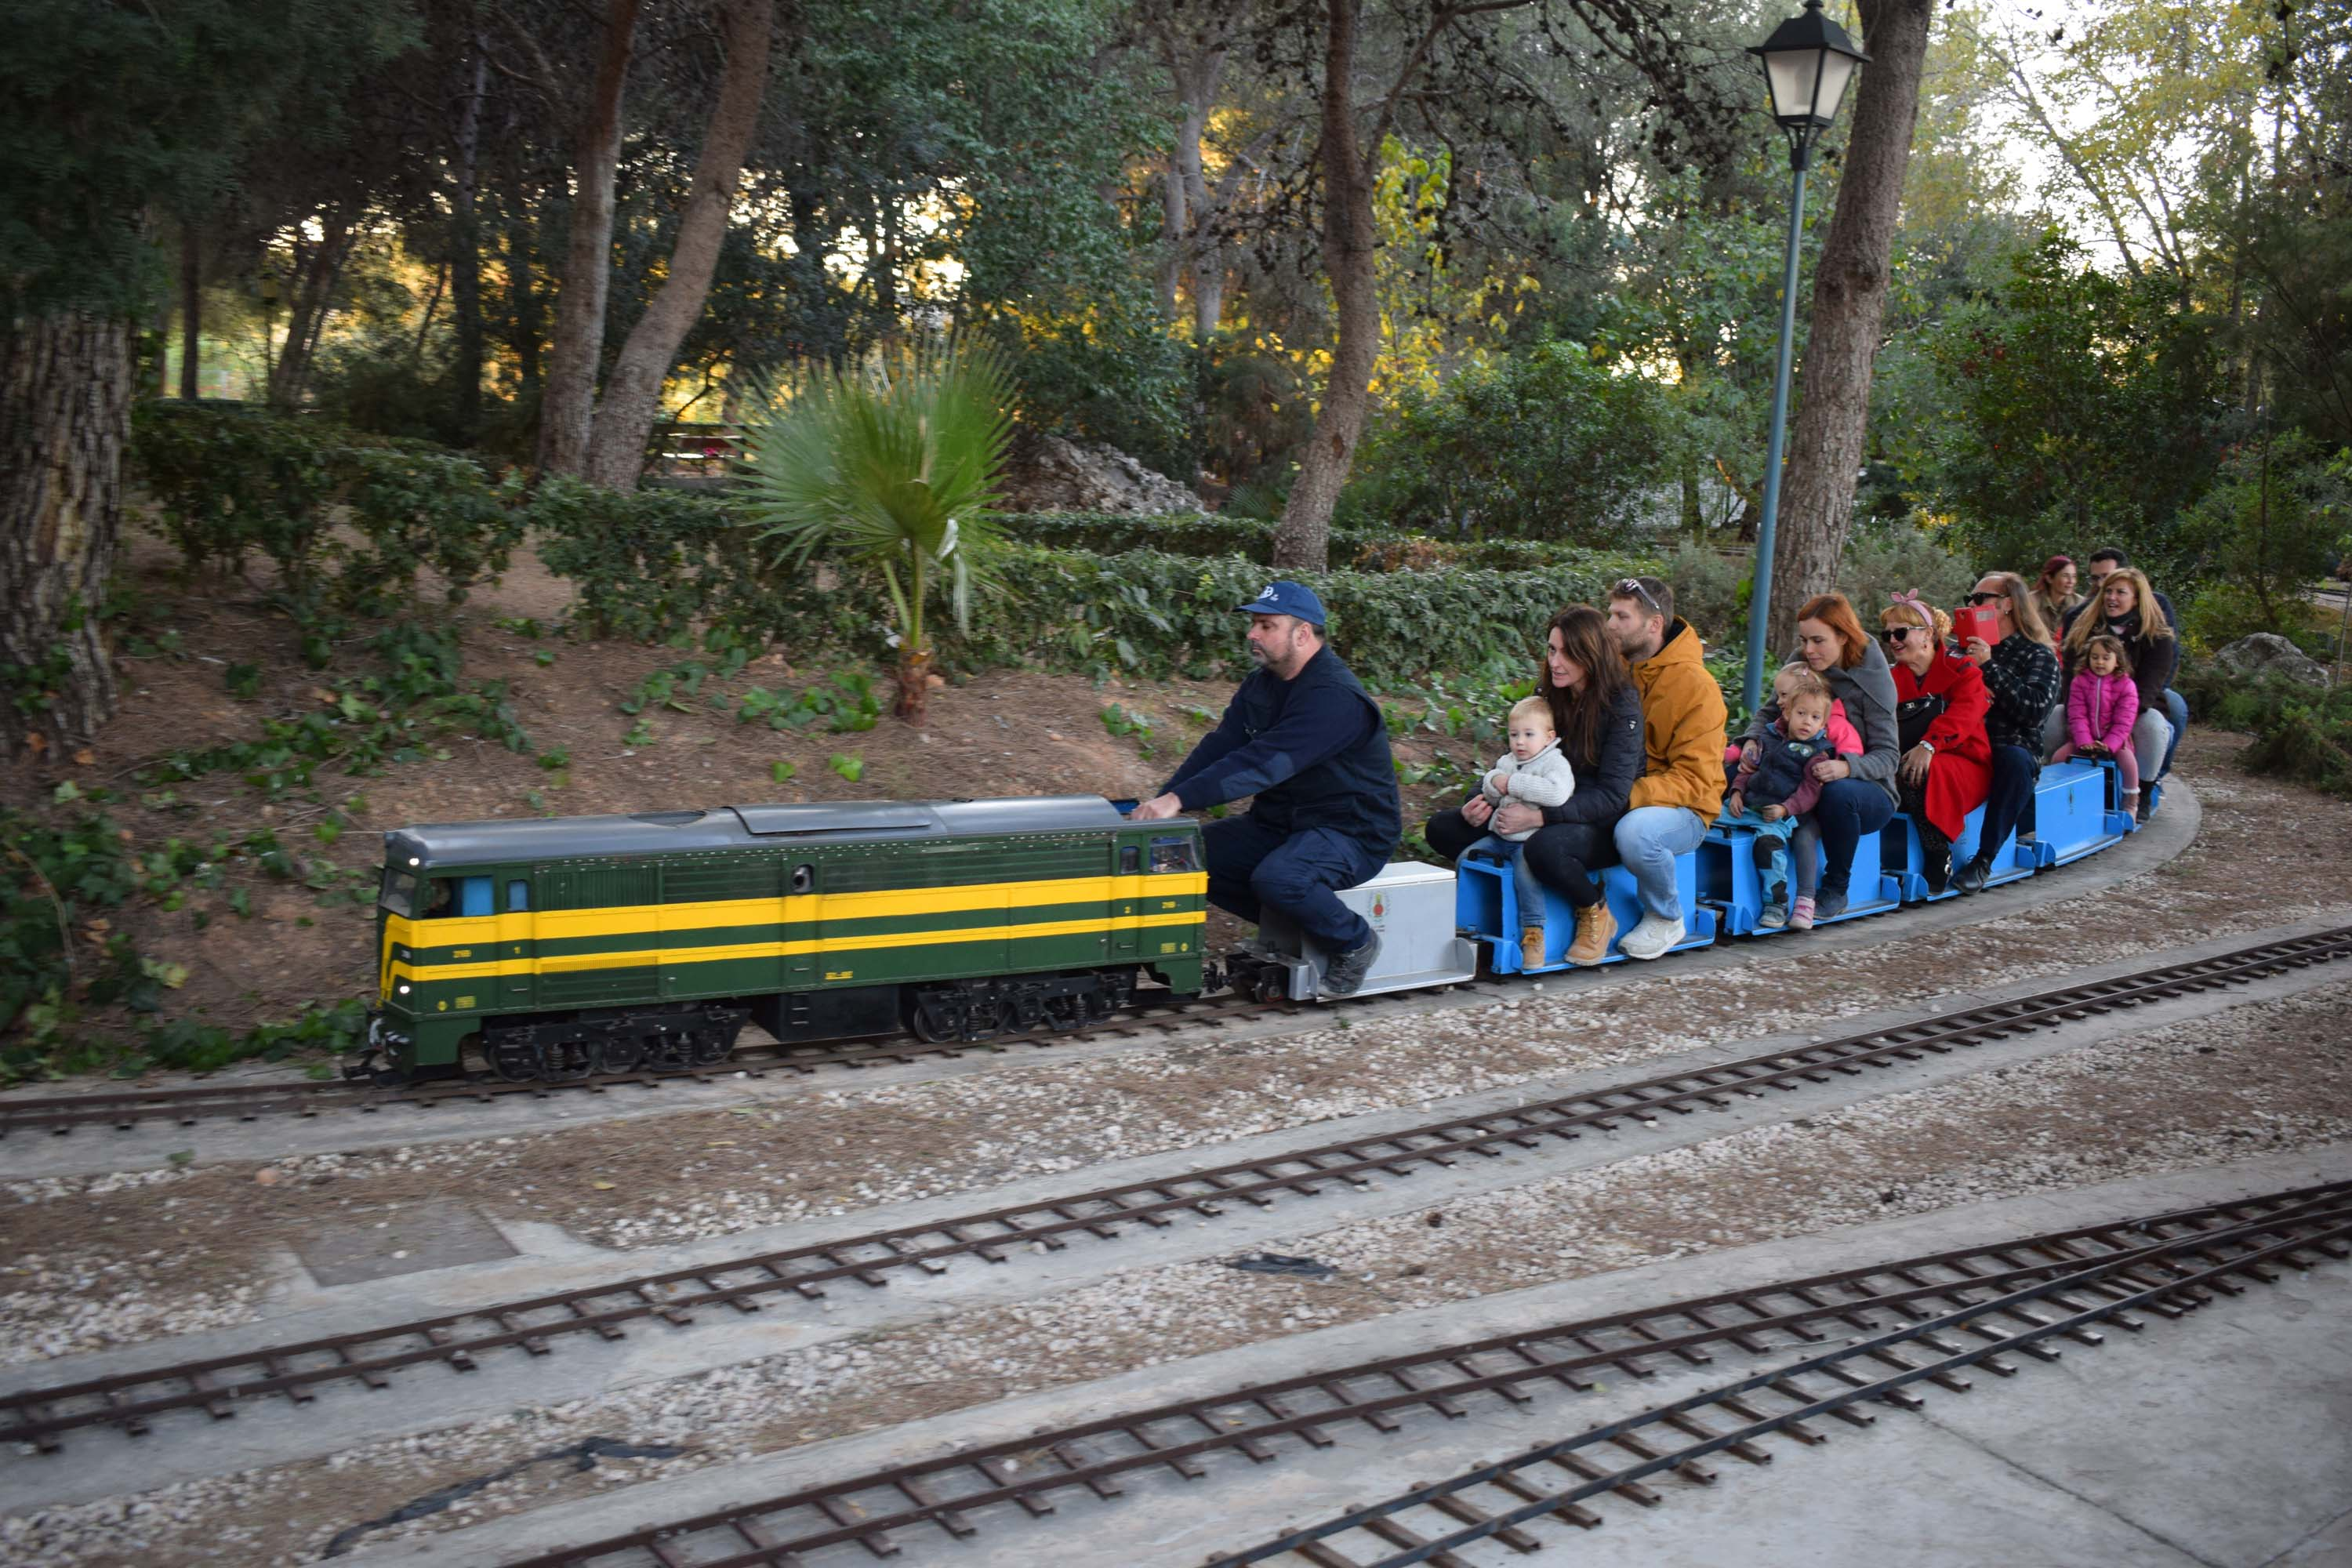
{"x": 1344, "y": 974}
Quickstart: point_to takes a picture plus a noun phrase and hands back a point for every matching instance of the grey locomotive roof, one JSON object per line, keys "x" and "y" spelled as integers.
{"x": 738, "y": 827}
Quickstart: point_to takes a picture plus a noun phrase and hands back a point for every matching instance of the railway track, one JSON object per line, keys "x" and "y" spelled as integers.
{"x": 129, "y": 1401}
{"x": 125, "y": 1109}
{"x": 2008, "y": 1298}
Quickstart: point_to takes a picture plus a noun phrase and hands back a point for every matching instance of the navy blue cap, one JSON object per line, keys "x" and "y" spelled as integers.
{"x": 1284, "y": 597}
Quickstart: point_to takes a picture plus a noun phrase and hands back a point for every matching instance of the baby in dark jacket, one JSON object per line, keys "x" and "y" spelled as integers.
{"x": 1775, "y": 784}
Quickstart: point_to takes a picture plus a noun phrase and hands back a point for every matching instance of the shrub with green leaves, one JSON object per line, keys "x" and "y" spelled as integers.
{"x": 347, "y": 520}
{"x": 1548, "y": 442}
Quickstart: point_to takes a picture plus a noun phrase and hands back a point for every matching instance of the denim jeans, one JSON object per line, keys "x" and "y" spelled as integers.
{"x": 1649, "y": 837}
{"x": 1848, "y": 809}
{"x": 1771, "y": 849}
{"x": 2176, "y": 711}
{"x": 1253, "y": 868}
{"x": 1523, "y": 875}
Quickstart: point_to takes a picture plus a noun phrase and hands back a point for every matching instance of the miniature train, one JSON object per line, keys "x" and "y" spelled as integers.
{"x": 563, "y": 947}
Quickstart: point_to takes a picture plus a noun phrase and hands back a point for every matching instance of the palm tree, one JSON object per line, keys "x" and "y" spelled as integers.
{"x": 893, "y": 461}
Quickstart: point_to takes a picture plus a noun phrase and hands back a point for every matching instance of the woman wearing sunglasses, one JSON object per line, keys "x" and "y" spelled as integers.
{"x": 1940, "y": 706}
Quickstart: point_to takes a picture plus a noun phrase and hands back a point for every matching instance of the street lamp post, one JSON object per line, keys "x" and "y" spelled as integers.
{"x": 1808, "y": 61}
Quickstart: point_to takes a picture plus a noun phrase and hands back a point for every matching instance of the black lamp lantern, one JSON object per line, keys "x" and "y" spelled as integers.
{"x": 1808, "y": 61}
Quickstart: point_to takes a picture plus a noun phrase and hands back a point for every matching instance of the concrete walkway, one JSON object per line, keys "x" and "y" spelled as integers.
{"x": 2222, "y": 1439}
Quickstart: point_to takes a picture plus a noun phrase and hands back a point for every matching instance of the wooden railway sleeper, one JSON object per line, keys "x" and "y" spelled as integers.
{"x": 1380, "y": 1421}
{"x": 1184, "y": 1465}
{"x": 1461, "y": 1512}
{"x": 1585, "y": 1469}
{"x": 1747, "y": 1412}
{"x": 1396, "y": 1534}
{"x": 1566, "y": 1513}
{"x": 1691, "y": 1427}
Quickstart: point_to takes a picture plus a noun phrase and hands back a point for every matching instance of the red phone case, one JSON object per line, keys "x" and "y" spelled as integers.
{"x": 1975, "y": 622}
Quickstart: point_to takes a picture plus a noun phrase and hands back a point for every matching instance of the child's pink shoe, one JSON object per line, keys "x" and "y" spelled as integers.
{"x": 1801, "y": 915}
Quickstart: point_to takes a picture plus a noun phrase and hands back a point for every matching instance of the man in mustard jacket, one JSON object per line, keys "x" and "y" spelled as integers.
{"x": 1681, "y": 786}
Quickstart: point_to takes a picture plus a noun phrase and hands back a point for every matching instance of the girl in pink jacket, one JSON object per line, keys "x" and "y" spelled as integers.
{"x": 2101, "y": 705}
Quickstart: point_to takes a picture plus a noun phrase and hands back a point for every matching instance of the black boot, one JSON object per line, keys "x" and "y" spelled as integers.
{"x": 1936, "y": 851}
{"x": 1973, "y": 876}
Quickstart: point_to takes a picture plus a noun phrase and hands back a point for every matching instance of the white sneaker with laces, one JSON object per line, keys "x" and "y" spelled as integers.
{"x": 1651, "y": 937}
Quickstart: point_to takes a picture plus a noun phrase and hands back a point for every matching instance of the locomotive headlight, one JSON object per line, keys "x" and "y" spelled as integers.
{"x": 403, "y": 988}
{"x": 414, "y": 861}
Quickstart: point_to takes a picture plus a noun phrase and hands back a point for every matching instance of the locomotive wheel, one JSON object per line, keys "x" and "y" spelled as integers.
{"x": 620, "y": 1053}
{"x": 517, "y": 1061}
{"x": 1027, "y": 1009}
{"x": 707, "y": 1046}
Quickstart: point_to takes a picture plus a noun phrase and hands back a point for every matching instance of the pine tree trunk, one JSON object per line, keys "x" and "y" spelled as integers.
{"x": 65, "y": 417}
{"x": 1849, "y": 308}
{"x": 192, "y": 307}
{"x": 624, "y": 416}
{"x": 522, "y": 296}
{"x": 567, "y": 410}
{"x": 465, "y": 257}
{"x": 1303, "y": 539}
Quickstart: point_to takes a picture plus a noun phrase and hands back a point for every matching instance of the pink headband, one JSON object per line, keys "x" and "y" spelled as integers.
{"x": 1912, "y": 601}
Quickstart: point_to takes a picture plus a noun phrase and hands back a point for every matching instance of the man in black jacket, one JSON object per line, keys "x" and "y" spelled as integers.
{"x": 1306, "y": 740}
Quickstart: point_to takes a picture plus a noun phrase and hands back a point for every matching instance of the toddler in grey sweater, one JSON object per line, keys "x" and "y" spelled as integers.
{"x": 1535, "y": 771}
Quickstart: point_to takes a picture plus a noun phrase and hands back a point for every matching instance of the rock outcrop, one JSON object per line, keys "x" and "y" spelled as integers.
{"x": 2267, "y": 653}
{"x": 1049, "y": 473}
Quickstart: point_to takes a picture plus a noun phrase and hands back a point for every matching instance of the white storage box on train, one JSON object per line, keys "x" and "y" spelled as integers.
{"x": 1410, "y": 906}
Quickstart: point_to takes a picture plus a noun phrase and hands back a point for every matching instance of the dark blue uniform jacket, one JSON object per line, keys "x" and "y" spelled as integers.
{"x": 1313, "y": 749}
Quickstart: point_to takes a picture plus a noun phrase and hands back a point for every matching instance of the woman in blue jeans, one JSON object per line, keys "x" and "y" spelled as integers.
{"x": 1857, "y": 793}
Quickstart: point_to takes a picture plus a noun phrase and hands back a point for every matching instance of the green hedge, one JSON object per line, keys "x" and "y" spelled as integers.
{"x": 345, "y": 517}
{"x": 1204, "y": 533}
{"x": 655, "y": 565}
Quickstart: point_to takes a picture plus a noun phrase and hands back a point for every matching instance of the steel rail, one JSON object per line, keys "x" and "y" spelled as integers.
{"x": 40, "y": 1416}
{"x": 1532, "y": 1500}
{"x": 126, "y": 1109}
{"x": 951, "y": 1491}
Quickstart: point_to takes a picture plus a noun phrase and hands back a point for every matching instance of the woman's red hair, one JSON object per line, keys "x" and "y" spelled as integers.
{"x": 1833, "y": 612}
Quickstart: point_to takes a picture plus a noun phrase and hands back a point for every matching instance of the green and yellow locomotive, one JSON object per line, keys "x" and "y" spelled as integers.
{"x": 562, "y": 947}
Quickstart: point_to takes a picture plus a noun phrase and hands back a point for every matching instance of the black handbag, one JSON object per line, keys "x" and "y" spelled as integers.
{"x": 1913, "y": 718}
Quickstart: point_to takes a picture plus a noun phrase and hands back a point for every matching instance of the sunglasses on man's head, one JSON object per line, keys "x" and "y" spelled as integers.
{"x": 1982, "y": 599}
{"x": 1631, "y": 588}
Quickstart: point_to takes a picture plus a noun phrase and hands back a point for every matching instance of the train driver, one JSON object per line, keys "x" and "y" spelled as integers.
{"x": 1306, "y": 740}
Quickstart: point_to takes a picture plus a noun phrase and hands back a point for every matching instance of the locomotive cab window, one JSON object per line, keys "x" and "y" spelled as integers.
{"x": 1130, "y": 860}
{"x": 517, "y": 897}
{"x": 1171, "y": 855}
{"x": 398, "y": 896}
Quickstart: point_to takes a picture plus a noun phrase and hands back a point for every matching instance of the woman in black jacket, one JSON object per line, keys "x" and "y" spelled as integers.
{"x": 1597, "y": 713}
{"x": 2127, "y": 608}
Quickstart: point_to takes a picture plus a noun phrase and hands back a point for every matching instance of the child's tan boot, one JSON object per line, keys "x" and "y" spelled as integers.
{"x": 1595, "y": 928}
{"x": 1531, "y": 947}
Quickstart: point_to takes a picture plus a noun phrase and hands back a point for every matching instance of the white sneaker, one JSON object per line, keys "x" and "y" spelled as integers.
{"x": 1651, "y": 937}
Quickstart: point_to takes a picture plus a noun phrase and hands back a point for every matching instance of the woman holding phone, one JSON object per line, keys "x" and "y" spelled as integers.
{"x": 2021, "y": 677}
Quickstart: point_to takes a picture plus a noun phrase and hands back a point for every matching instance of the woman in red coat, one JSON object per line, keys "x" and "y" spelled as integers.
{"x": 1940, "y": 706}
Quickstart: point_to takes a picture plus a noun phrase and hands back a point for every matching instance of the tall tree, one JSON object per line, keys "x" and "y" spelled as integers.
{"x": 567, "y": 409}
{"x": 632, "y": 395}
{"x": 115, "y": 109}
{"x": 1454, "y": 70}
{"x": 1850, "y": 288}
